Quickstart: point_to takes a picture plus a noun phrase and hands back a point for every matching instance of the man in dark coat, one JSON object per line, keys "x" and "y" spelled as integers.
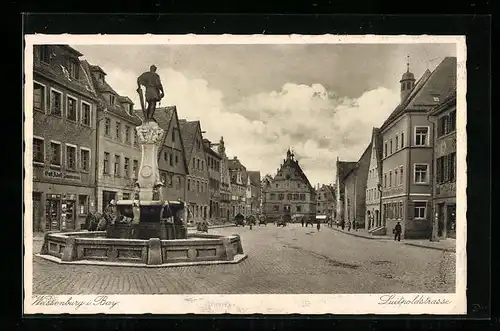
{"x": 397, "y": 232}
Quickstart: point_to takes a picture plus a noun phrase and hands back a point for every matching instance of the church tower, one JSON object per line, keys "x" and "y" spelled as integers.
{"x": 407, "y": 81}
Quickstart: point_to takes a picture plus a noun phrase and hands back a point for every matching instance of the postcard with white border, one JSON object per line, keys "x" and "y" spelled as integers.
{"x": 211, "y": 174}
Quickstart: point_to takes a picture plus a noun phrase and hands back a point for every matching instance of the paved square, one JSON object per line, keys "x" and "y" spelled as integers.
{"x": 289, "y": 260}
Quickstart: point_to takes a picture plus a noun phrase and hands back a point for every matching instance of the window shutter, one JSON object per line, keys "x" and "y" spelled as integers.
{"x": 438, "y": 170}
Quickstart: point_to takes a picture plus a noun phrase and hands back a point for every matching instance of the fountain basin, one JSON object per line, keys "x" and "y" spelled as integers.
{"x": 95, "y": 248}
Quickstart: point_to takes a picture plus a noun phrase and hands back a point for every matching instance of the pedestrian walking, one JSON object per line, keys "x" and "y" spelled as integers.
{"x": 349, "y": 226}
{"x": 342, "y": 224}
{"x": 302, "y": 221}
{"x": 318, "y": 225}
{"x": 397, "y": 232}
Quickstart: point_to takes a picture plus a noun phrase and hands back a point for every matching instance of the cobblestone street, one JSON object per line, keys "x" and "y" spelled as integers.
{"x": 292, "y": 260}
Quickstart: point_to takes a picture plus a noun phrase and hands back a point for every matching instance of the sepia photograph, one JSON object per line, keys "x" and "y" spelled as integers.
{"x": 245, "y": 174}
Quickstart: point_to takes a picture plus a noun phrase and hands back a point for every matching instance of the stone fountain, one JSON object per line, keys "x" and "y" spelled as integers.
{"x": 148, "y": 231}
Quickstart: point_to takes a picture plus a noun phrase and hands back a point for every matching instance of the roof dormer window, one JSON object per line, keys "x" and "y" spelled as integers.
{"x": 111, "y": 99}
{"x": 74, "y": 68}
{"x": 44, "y": 53}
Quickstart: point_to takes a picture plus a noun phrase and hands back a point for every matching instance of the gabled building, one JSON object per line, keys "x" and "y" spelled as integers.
{"x": 214, "y": 181}
{"x": 374, "y": 184}
{"x": 290, "y": 193}
{"x": 325, "y": 201}
{"x": 343, "y": 168}
{"x": 172, "y": 161}
{"x": 444, "y": 119}
{"x": 355, "y": 190}
{"x": 198, "y": 196}
{"x": 253, "y": 185}
{"x": 64, "y": 139}
{"x": 264, "y": 184}
{"x": 118, "y": 151}
{"x": 225, "y": 182}
{"x": 239, "y": 182}
{"x": 408, "y": 150}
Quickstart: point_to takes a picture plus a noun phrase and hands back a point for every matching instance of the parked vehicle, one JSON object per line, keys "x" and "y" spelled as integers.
{"x": 262, "y": 220}
{"x": 239, "y": 219}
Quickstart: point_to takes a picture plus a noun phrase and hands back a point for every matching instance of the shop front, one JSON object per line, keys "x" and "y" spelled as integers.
{"x": 60, "y": 207}
{"x": 446, "y": 218}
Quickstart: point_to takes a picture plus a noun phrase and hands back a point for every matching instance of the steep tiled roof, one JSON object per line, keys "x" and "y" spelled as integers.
{"x": 116, "y": 108}
{"x": 101, "y": 86}
{"x": 357, "y": 164}
{"x": 125, "y": 99}
{"x": 60, "y": 74}
{"x": 402, "y": 106}
{"x": 235, "y": 164}
{"x": 254, "y": 177}
{"x": 293, "y": 163}
{"x": 442, "y": 81}
{"x": 439, "y": 84}
{"x": 188, "y": 130}
{"x": 377, "y": 143}
{"x": 449, "y": 101}
{"x": 344, "y": 167}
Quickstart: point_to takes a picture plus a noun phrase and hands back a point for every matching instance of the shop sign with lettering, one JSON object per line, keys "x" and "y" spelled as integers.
{"x": 61, "y": 175}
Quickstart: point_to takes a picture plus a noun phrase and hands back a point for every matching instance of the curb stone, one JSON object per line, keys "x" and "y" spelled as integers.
{"x": 388, "y": 239}
{"x": 431, "y": 247}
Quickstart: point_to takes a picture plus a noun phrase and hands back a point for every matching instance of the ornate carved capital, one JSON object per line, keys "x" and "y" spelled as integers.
{"x": 149, "y": 133}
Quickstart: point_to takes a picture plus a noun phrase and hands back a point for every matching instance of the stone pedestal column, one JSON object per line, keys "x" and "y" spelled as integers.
{"x": 150, "y": 137}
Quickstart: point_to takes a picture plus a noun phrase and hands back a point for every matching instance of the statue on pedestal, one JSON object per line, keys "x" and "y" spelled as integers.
{"x": 153, "y": 94}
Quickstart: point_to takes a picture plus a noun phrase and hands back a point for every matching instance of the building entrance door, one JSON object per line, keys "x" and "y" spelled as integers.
{"x": 451, "y": 221}
{"x": 37, "y": 212}
{"x": 69, "y": 214}
{"x": 377, "y": 218}
{"x": 52, "y": 214}
{"x": 440, "y": 212}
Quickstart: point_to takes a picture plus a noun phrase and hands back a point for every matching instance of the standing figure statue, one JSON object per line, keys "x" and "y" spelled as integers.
{"x": 154, "y": 92}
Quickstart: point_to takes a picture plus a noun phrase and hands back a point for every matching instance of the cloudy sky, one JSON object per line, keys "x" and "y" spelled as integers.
{"x": 320, "y": 99}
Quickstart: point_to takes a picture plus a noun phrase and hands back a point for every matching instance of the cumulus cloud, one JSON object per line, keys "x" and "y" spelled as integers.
{"x": 318, "y": 124}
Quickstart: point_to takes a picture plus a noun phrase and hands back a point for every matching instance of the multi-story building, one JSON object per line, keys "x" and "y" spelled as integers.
{"x": 290, "y": 193}
{"x": 255, "y": 190}
{"x": 374, "y": 184}
{"x": 214, "y": 181}
{"x": 172, "y": 161}
{"x": 225, "y": 182}
{"x": 198, "y": 177}
{"x": 118, "y": 152}
{"x": 325, "y": 200}
{"x": 64, "y": 139}
{"x": 343, "y": 167}
{"x": 407, "y": 150}
{"x": 445, "y": 165}
{"x": 239, "y": 181}
{"x": 355, "y": 190}
{"x": 264, "y": 184}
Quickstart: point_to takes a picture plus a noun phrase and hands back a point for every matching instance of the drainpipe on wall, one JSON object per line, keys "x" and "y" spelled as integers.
{"x": 96, "y": 160}
{"x": 409, "y": 172}
{"x": 434, "y": 215}
{"x": 380, "y": 215}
